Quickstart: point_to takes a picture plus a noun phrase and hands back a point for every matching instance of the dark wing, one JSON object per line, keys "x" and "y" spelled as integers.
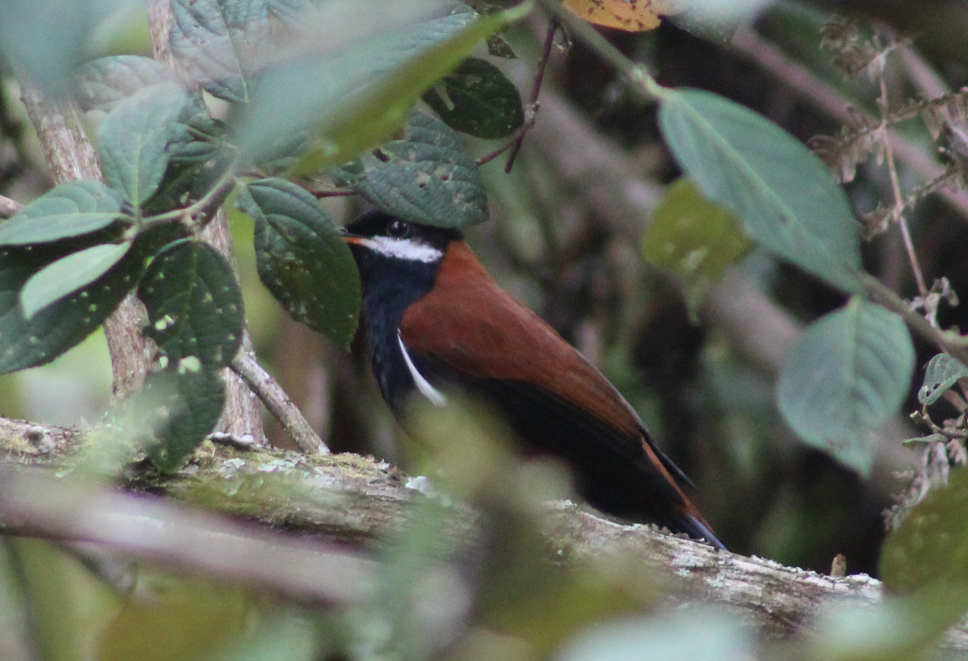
{"x": 554, "y": 399}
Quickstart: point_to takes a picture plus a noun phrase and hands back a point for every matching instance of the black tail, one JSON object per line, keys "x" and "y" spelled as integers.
{"x": 697, "y": 530}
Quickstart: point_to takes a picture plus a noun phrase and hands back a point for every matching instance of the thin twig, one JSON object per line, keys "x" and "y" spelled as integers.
{"x": 948, "y": 342}
{"x": 277, "y": 401}
{"x": 898, "y": 213}
{"x": 531, "y": 112}
{"x": 531, "y": 109}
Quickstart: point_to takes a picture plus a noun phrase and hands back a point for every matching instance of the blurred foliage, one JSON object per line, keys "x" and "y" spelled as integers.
{"x": 763, "y": 490}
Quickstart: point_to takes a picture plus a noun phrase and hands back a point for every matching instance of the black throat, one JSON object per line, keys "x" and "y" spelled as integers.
{"x": 390, "y": 286}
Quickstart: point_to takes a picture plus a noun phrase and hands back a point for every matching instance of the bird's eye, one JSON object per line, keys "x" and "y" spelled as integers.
{"x": 398, "y": 229}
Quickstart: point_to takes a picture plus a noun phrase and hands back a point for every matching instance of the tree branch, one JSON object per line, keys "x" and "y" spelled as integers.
{"x": 277, "y": 401}
{"x": 350, "y": 499}
{"x": 70, "y": 156}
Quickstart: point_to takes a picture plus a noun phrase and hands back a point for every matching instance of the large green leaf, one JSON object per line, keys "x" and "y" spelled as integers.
{"x": 219, "y": 43}
{"x": 134, "y": 138}
{"x": 302, "y": 258}
{"x": 929, "y": 549}
{"x": 103, "y": 83}
{"x": 428, "y": 177}
{"x": 356, "y": 96}
{"x": 689, "y": 634}
{"x": 848, "y": 374}
{"x": 69, "y": 210}
{"x": 782, "y": 194}
{"x": 46, "y": 39}
{"x": 194, "y": 305}
{"x": 69, "y": 274}
{"x": 942, "y": 373}
{"x": 58, "y": 327}
{"x": 291, "y": 12}
{"x": 182, "y": 405}
{"x": 476, "y": 98}
{"x": 695, "y": 238}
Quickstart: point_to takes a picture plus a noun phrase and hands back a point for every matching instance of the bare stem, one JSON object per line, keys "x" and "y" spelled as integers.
{"x": 277, "y": 401}
{"x": 954, "y": 345}
{"x": 899, "y": 204}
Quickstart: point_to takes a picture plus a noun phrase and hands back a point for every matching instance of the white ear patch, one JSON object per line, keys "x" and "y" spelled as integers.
{"x": 402, "y": 249}
{"x": 435, "y": 396}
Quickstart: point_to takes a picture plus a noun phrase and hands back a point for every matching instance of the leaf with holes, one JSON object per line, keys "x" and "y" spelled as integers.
{"x": 848, "y": 374}
{"x": 69, "y": 274}
{"x": 70, "y": 210}
{"x": 134, "y": 138}
{"x": 194, "y": 305}
{"x": 622, "y": 14}
{"x": 428, "y": 177}
{"x": 58, "y": 327}
{"x": 302, "y": 258}
{"x": 476, "y": 98}
{"x": 219, "y": 42}
{"x": 942, "y": 373}
{"x": 103, "y": 83}
{"x": 782, "y": 194}
{"x": 693, "y": 237}
{"x": 181, "y": 405}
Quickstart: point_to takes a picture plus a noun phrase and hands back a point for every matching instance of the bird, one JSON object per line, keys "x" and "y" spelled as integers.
{"x": 435, "y": 319}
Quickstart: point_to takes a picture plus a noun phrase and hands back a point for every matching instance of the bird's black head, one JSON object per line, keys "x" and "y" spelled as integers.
{"x": 378, "y": 235}
{"x": 398, "y": 264}
{"x": 398, "y": 260}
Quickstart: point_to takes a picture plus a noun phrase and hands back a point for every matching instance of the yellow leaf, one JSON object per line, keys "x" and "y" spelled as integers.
{"x": 630, "y": 15}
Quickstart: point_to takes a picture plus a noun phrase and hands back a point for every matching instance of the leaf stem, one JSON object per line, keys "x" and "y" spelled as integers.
{"x": 951, "y": 343}
{"x": 899, "y": 203}
{"x": 227, "y": 180}
{"x": 637, "y": 74}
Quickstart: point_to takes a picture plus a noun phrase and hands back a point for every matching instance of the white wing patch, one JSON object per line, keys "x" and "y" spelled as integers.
{"x": 435, "y": 396}
{"x": 403, "y": 249}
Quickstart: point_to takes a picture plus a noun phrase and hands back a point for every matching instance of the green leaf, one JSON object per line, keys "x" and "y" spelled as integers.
{"x": 691, "y": 634}
{"x": 783, "y": 195}
{"x": 103, "y": 83}
{"x": 428, "y": 177}
{"x": 291, "y": 12}
{"x": 194, "y": 305}
{"x": 68, "y": 275}
{"x": 219, "y": 42}
{"x": 929, "y": 549}
{"x": 358, "y": 96}
{"x": 69, "y": 210}
{"x": 46, "y": 39}
{"x": 58, "y": 327}
{"x": 133, "y": 139}
{"x": 183, "y": 403}
{"x": 890, "y": 630}
{"x": 188, "y": 181}
{"x": 302, "y": 258}
{"x": 189, "y": 619}
{"x": 476, "y": 98}
{"x": 848, "y": 373}
{"x": 942, "y": 373}
{"x": 695, "y": 238}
